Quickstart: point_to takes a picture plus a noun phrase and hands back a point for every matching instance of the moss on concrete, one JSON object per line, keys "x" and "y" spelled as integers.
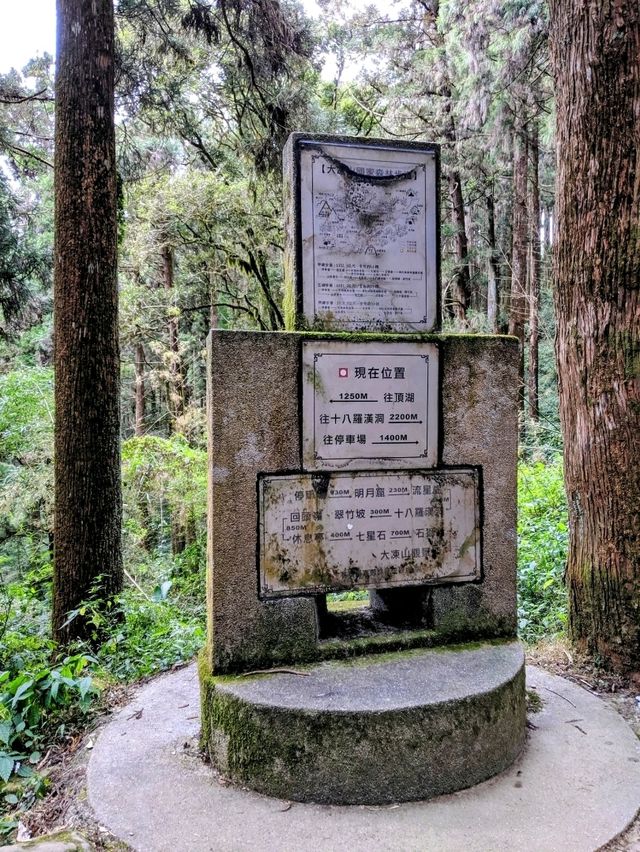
{"x": 401, "y": 640}
{"x": 259, "y": 655}
{"x": 359, "y": 757}
{"x": 290, "y": 304}
{"x": 59, "y": 841}
{"x": 534, "y": 702}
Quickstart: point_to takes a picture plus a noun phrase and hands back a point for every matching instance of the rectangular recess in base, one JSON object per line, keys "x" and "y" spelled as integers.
{"x": 334, "y": 531}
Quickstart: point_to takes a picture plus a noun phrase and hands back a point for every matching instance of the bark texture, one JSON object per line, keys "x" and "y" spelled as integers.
{"x": 596, "y": 58}
{"x": 175, "y": 390}
{"x": 87, "y": 424}
{"x": 461, "y": 295}
{"x": 460, "y": 298}
{"x": 534, "y": 274}
{"x": 518, "y": 299}
{"x": 493, "y": 268}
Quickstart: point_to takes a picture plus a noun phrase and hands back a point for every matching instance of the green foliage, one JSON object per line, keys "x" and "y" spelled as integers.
{"x": 26, "y": 412}
{"x": 352, "y": 595}
{"x": 542, "y": 549}
{"x": 153, "y": 636}
{"x": 25, "y": 617}
{"x": 543, "y": 439}
{"x": 26, "y": 471}
{"x": 159, "y": 620}
{"x": 164, "y": 485}
{"x": 23, "y": 262}
{"x": 36, "y": 708}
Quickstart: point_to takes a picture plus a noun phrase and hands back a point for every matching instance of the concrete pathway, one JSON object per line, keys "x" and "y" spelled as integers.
{"x": 576, "y": 786}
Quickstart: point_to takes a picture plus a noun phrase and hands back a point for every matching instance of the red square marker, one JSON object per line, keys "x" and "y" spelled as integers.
{"x": 343, "y": 372}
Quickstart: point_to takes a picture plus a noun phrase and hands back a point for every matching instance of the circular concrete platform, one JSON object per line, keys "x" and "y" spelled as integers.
{"x": 576, "y": 786}
{"x": 371, "y": 730}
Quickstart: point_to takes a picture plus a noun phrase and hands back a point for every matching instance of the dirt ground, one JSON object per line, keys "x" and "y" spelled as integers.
{"x": 66, "y": 804}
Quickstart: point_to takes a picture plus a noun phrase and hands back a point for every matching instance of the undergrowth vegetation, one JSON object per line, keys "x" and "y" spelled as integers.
{"x": 157, "y": 622}
{"x": 542, "y": 548}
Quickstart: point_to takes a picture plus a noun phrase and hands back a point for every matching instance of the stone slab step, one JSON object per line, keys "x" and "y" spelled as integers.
{"x": 389, "y": 728}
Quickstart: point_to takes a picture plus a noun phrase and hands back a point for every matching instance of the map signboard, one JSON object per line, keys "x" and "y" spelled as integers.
{"x": 368, "y": 236}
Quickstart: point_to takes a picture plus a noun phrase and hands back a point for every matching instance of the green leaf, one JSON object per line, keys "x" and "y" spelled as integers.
{"x": 84, "y": 686}
{"x": 6, "y": 767}
{"x": 34, "y": 757}
{"x": 11, "y": 799}
{"x": 70, "y": 617}
{"x": 20, "y": 691}
{"x": 160, "y": 592}
{"x": 6, "y": 729}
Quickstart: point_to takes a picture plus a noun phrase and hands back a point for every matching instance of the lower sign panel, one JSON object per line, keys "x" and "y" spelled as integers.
{"x": 330, "y": 532}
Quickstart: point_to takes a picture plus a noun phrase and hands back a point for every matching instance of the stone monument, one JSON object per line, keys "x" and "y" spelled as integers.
{"x": 361, "y": 450}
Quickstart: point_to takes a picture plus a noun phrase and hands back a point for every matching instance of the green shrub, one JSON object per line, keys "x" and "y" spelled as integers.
{"x": 26, "y": 470}
{"x": 542, "y": 549}
{"x": 164, "y": 492}
{"x": 155, "y": 633}
{"x": 36, "y": 709}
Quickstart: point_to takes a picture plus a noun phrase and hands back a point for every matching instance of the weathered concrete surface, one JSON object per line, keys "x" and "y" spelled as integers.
{"x": 382, "y": 729}
{"x": 254, "y": 396}
{"x": 480, "y": 427}
{"x": 59, "y": 841}
{"x": 576, "y": 786}
{"x": 252, "y": 401}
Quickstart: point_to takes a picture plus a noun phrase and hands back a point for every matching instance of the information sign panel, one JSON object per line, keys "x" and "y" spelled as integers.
{"x": 368, "y": 236}
{"x": 369, "y": 405}
{"x": 327, "y": 532}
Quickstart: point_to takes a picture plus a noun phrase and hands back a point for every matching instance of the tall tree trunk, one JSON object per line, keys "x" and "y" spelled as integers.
{"x": 475, "y": 294}
{"x": 505, "y": 243}
{"x": 139, "y": 373}
{"x": 462, "y": 278}
{"x": 213, "y": 308}
{"x": 518, "y": 299}
{"x": 88, "y": 503}
{"x": 596, "y": 58}
{"x": 176, "y": 382}
{"x": 493, "y": 268}
{"x": 461, "y": 292}
{"x": 534, "y": 272}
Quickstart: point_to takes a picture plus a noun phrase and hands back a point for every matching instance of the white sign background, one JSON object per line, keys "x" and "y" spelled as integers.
{"x": 369, "y": 405}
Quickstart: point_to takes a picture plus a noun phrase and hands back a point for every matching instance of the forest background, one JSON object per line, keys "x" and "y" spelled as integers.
{"x": 206, "y": 97}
